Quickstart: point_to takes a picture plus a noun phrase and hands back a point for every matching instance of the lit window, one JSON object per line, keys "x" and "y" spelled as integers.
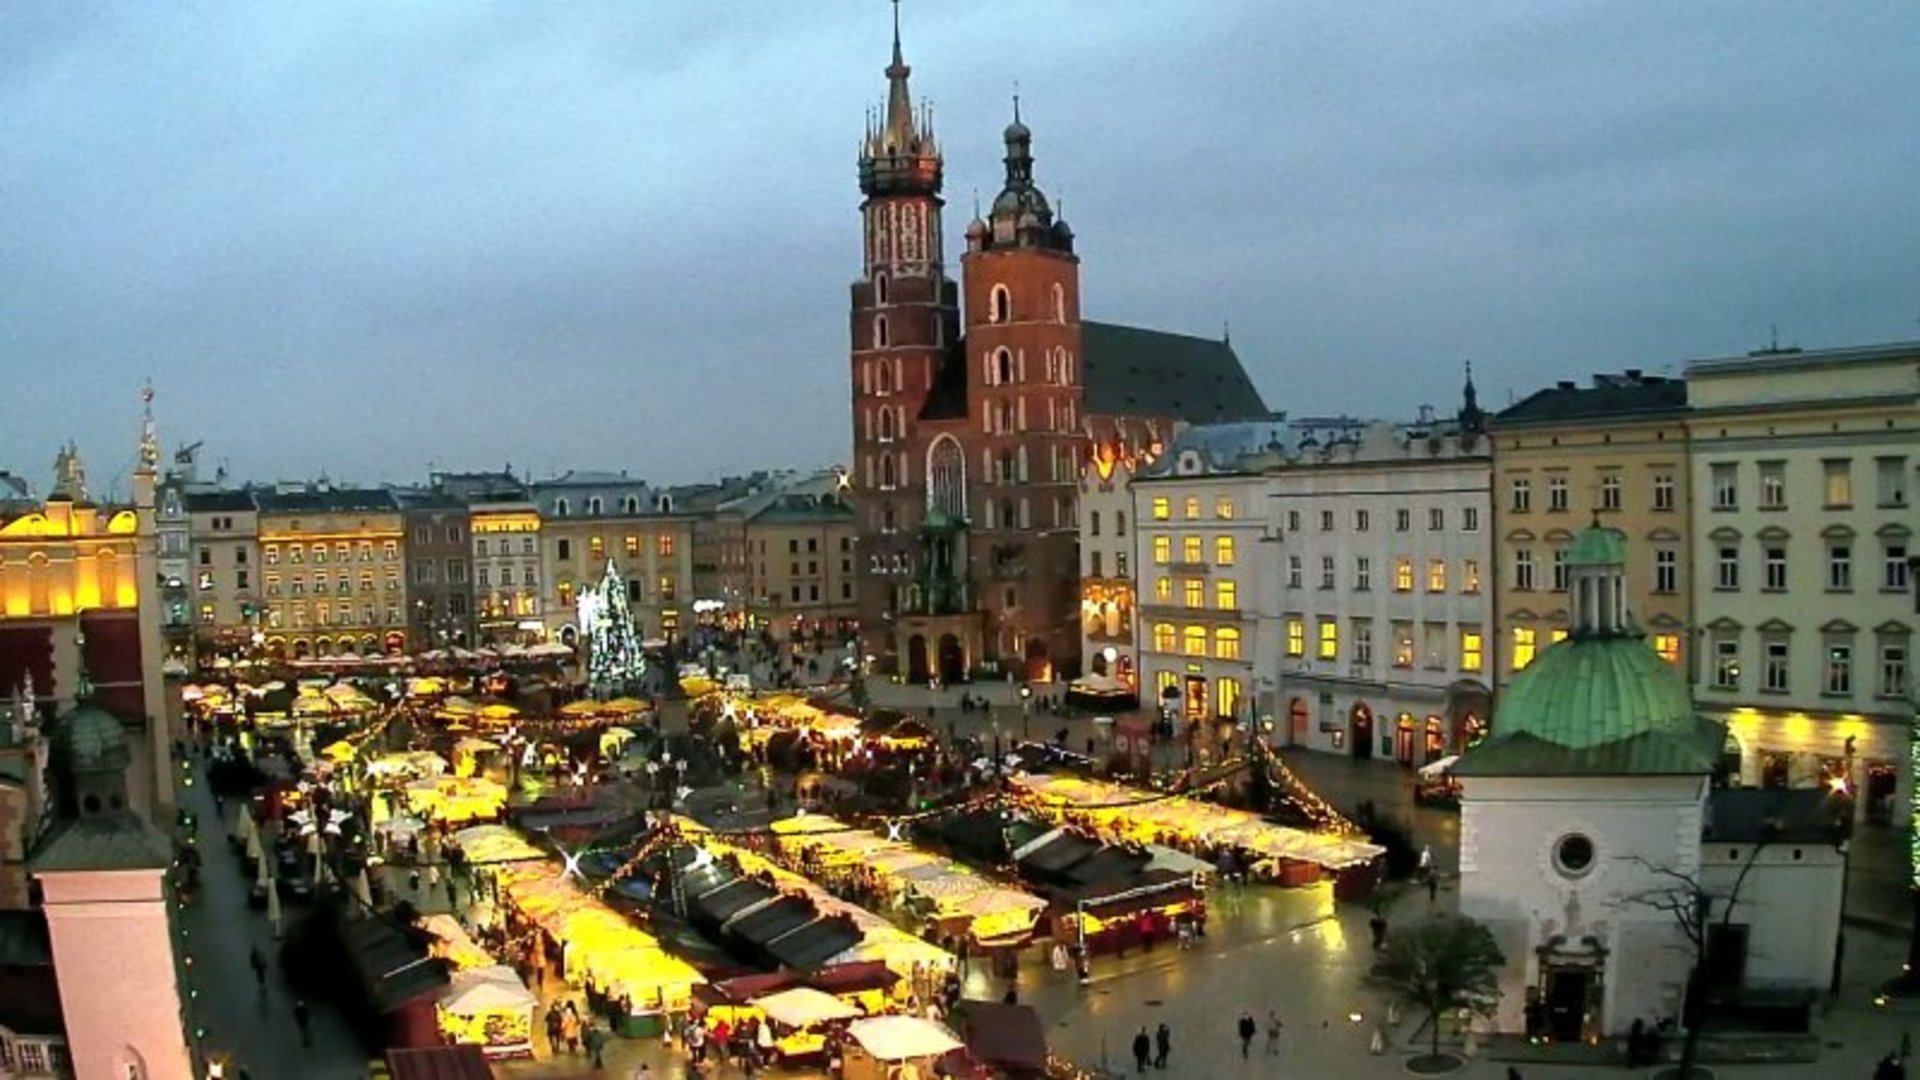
{"x": 1228, "y": 696}
{"x": 1472, "y": 650}
{"x": 1226, "y": 596}
{"x": 1226, "y": 643}
{"x": 1193, "y": 508}
{"x": 596, "y": 547}
{"x": 1726, "y": 663}
{"x": 664, "y": 545}
{"x": 1436, "y": 575}
{"x": 1470, "y": 577}
{"x": 1839, "y": 680}
{"x": 1837, "y": 475}
{"x": 1403, "y": 645}
{"x": 1195, "y": 591}
{"x": 1523, "y": 647}
{"x": 1296, "y": 637}
{"x": 632, "y": 545}
{"x": 1223, "y": 550}
{"x": 1163, "y": 550}
{"x": 1329, "y": 639}
{"x": 1556, "y": 635}
{"x": 1403, "y": 574}
{"x": 1223, "y": 508}
{"x": 1162, "y": 508}
{"x": 1668, "y": 646}
{"x": 1192, "y": 550}
{"x": 1164, "y": 638}
{"x": 1163, "y": 588}
{"x": 1195, "y": 638}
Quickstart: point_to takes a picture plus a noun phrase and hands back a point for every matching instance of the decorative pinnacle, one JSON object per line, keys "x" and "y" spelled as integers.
{"x": 149, "y": 441}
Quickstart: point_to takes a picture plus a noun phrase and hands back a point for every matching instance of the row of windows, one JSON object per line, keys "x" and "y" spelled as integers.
{"x": 1119, "y": 523}
{"x": 1403, "y": 517}
{"x": 1526, "y": 644}
{"x": 1433, "y": 655}
{"x": 324, "y": 614}
{"x": 636, "y": 591}
{"x": 1227, "y": 693}
{"x": 1004, "y": 368}
{"x": 1610, "y": 492}
{"x": 297, "y": 585}
{"x": 1190, "y": 508}
{"x": 664, "y": 546}
{"x": 596, "y": 505}
{"x": 343, "y": 551}
{"x": 1096, "y": 565}
{"x": 1435, "y": 579}
{"x": 427, "y": 571}
{"x": 1193, "y": 549}
{"x": 1526, "y": 570}
{"x": 502, "y": 546}
{"x": 1837, "y": 668}
{"x": 1835, "y": 483}
{"x": 1000, "y": 302}
{"x": 1193, "y": 591}
{"x": 423, "y": 534}
{"x": 1839, "y": 577}
{"x": 1193, "y": 641}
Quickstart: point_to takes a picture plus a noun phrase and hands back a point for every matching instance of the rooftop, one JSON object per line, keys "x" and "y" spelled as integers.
{"x": 122, "y": 841}
{"x": 1132, "y": 371}
{"x": 1624, "y": 396}
{"x": 218, "y": 501}
{"x": 1793, "y": 357}
{"x": 324, "y": 500}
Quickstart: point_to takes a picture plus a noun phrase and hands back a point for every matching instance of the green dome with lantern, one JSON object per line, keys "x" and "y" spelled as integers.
{"x": 1600, "y": 702}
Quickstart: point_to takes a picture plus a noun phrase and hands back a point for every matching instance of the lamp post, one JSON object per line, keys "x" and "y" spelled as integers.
{"x": 1026, "y": 710}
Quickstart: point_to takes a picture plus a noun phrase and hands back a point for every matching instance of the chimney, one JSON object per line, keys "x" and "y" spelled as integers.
{"x": 1635, "y": 373}
{"x": 1567, "y": 384}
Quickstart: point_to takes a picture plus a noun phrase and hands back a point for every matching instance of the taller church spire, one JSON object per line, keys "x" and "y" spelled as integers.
{"x": 898, "y": 155}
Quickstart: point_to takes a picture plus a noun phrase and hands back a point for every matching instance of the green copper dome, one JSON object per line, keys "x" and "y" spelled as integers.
{"x": 1597, "y": 547}
{"x": 92, "y": 738}
{"x": 1586, "y": 693}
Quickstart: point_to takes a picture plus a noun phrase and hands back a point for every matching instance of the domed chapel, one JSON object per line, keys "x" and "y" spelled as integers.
{"x": 1595, "y": 802}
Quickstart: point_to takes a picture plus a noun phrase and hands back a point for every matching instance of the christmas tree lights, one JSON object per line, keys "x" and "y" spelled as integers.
{"x": 614, "y": 660}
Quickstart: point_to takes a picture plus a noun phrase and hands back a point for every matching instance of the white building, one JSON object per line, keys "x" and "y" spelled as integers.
{"x": 1802, "y": 525}
{"x": 1386, "y": 602}
{"x": 1108, "y": 598}
{"x": 1202, "y": 571}
{"x": 1587, "y": 815}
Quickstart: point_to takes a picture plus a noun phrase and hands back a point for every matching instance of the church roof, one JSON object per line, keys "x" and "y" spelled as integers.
{"x": 1132, "y": 371}
{"x": 1598, "y": 547}
{"x": 90, "y": 736}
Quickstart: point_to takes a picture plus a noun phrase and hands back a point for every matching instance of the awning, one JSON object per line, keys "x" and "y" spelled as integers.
{"x": 802, "y": 1006}
{"x": 762, "y": 925}
{"x": 814, "y": 944}
{"x": 901, "y": 1038}
{"x": 1003, "y": 1036}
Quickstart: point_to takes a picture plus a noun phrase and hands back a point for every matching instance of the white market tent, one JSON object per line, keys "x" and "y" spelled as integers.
{"x": 487, "y": 989}
{"x": 901, "y": 1038}
{"x": 803, "y": 1006}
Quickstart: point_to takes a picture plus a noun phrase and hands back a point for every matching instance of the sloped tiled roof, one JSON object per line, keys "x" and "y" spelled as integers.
{"x": 123, "y": 841}
{"x": 320, "y": 502}
{"x": 207, "y": 502}
{"x": 1131, "y": 371}
{"x": 1612, "y": 398}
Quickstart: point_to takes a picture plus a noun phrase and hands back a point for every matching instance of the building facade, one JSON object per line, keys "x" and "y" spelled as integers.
{"x": 438, "y": 559}
{"x": 1804, "y": 468}
{"x": 788, "y": 560}
{"x": 1385, "y": 558}
{"x": 972, "y": 403}
{"x": 333, "y": 563}
{"x": 1109, "y": 602}
{"x": 589, "y": 518}
{"x": 1615, "y": 450}
{"x": 224, "y": 577}
{"x": 1207, "y": 608}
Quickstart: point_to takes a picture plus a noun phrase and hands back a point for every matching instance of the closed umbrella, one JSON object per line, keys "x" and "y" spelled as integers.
{"x": 273, "y": 907}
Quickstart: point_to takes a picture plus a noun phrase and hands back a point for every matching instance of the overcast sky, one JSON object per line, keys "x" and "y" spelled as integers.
{"x": 361, "y": 238}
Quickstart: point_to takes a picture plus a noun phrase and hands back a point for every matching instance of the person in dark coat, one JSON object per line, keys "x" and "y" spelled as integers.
{"x": 1142, "y": 1049}
{"x": 1247, "y": 1029}
{"x": 1162, "y": 1045}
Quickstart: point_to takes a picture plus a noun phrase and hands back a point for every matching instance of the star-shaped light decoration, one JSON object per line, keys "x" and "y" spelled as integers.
{"x": 894, "y": 830}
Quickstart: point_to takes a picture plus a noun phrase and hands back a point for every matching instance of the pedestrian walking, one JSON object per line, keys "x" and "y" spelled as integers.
{"x": 1142, "y": 1049}
{"x": 1378, "y": 924}
{"x": 259, "y": 965}
{"x": 1247, "y": 1030}
{"x": 1433, "y": 888}
{"x": 1273, "y": 1033}
{"x": 413, "y": 881}
{"x": 300, "y": 1021}
{"x": 453, "y": 894}
{"x": 597, "y": 1045}
{"x": 1162, "y": 1045}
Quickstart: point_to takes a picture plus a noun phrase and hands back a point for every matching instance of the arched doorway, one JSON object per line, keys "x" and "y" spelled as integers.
{"x": 1468, "y": 703}
{"x": 396, "y": 643}
{"x": 1039, "y": 667}
{"x": 1403, "y": 738}
{"x": 569, "y": 636}
{"x": 953, "y": 660}
{"x": 918, "y": 670}
{"x": 1297, "y": 721}
{"x": 1436, "y": 746}
{"x": 1360, "y": 729}
{"x": 302, "y": 648}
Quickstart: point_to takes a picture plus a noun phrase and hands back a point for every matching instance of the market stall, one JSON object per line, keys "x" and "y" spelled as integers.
{"x": 896, "y": 1048}
{"x": 800, "y": 1016}
{"x": 1273, "y": 852}
{"x": 456, "y": 800}
{"x": 491, "y": 1008}
{"x": 486, "y": 845}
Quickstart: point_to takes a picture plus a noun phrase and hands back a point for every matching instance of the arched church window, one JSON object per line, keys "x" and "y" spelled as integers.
{"x": 886, "y": 425}
{"x": 880, "y": 338}
{"x": 1059, "y": 303}
{"x": 1000, "y": 305}
{"x": 888, "y": 476}
{"x": 947, "y": 478}
{"x": 1002, "y": 367}
{"x": 880, "y": 288}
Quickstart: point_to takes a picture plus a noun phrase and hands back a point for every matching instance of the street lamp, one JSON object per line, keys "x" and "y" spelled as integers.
{"x": 1026, "y": 710}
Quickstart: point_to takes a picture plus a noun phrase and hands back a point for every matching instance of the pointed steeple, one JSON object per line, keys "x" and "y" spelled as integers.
{"x": 1473, "y": 421}
{"x": 897, "y": 154}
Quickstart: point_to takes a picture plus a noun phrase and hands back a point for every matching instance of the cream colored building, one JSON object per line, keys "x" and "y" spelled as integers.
{"x": 589, "y": 517}
{"x": 787, "y": 559}
{"x": 1803, "y": 519}
{"x": 1108, "y": 601}
{"x": 508, "y": 578}
{"x": 1615, "y": 450}
{"x": 331, "y": 559}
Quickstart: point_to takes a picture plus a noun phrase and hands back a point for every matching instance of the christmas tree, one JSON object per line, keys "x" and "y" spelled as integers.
{"x": 614, "y": 660}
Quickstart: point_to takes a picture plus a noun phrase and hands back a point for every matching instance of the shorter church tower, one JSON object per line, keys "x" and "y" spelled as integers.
{"x": 102, "y": 869}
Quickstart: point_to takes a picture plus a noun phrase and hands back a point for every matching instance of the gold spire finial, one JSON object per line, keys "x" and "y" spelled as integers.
{"x": 149, "y": 441}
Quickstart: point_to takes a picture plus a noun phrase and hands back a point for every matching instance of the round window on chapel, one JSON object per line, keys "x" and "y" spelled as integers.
{"x": 1573, "y": 855}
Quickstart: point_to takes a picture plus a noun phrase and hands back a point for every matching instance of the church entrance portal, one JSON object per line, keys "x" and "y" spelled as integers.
{"x": 1567, "y": 993}
{"x": 953, "y": 660}
{"x": 917, "y": 669}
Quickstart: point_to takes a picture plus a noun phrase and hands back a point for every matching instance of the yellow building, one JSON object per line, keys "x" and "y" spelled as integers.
{"x": 654, "y": 552}
{"x": 331, "y": 561}
{"x": 1616, "y": 451}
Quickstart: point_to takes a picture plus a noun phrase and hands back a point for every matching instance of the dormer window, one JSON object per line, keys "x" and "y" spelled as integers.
{"x": 560, "y": 508}
{"x": 594, "y": 506}
{"x": 630, "y": 505}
